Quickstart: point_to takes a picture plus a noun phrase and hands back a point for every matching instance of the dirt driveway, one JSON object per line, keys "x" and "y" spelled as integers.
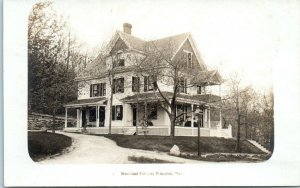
{"x": 98, "y": 149}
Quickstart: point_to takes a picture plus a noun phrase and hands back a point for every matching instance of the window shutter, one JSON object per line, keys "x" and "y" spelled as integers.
{"x": 104, "y": 89}
{"x": 113, "y": 112}
{"x": 121, "y": 112}
{"x": 138, "y": 84}
{"x": 91, "y": 90}
{"x": 133, "y": 84}
{"x": 122, "y": 85}
{"x": 145, "y": 83}
{"x": 113, "y": 86}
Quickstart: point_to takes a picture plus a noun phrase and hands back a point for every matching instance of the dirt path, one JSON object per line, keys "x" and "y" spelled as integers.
{"x": 98, "y": 149}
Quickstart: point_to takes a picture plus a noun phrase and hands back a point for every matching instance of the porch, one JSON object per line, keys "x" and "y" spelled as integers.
{"x": 89, "y": 113}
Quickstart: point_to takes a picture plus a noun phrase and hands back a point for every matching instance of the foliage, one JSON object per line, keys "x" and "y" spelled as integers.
{"x": 250, "y": 112}
{"x": 50, "y": 81}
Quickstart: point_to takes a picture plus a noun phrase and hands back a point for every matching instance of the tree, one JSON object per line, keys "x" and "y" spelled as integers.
{"x": 240, "y": 98}
{"x": 50, "y": 82}
{"x": 167, "y": 67}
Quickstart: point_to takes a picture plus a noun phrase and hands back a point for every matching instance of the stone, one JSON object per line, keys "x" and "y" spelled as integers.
{"x": 175, "y": 150}
{"x": 44, "y": 129}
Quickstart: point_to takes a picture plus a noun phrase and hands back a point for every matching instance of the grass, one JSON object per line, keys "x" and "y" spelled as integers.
{"x": 43, "y": 144}
{"x": 186, "y": 144}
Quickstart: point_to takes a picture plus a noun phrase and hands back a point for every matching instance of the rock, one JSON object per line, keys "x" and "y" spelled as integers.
{"x": 44, "y": 129}
{"x": 175, "y": 150}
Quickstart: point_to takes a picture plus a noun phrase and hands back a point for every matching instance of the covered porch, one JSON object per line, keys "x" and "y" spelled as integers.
{"x": 89, "y": 112}
{"x": 187, "y": 120}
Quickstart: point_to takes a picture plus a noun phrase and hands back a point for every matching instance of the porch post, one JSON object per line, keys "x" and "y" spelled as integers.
{"x": 66, "y": 118}
{"x": 87, "y": 116}
{"x": 97, "y": 116}
{"x": 208, "y": 116}
{"x": 192, "y": 121}
{"x": 205, "y": 117}
{"x": 78, "y": 118}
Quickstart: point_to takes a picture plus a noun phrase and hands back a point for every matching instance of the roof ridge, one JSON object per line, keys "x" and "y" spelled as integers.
{"x": 128, "y": 35}
{"x": 186, "y": 33}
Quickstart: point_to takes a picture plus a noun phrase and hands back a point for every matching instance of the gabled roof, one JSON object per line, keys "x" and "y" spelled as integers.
{"x": 170, "y": 44}
{"x": 132, "y": 41}
{"x": 140, "y": 45}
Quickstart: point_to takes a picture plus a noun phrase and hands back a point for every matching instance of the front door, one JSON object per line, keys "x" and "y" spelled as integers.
{"x": 101, "y": 116}
{"x": 134, "y": 116}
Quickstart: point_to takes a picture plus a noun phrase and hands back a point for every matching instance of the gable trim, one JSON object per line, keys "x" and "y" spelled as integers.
{"x": 195, "y": 49}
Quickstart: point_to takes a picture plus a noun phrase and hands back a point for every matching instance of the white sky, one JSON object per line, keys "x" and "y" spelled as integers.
{"x": 242, "y": 36}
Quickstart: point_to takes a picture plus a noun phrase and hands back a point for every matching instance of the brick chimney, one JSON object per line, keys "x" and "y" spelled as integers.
{"x": 127, "y": 28}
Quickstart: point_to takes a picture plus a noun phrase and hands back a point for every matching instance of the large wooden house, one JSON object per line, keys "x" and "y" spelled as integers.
{"x": 135, "y": 99}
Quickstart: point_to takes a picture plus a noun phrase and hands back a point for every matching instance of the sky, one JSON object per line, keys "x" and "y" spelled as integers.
{"x": 232, "y": 36}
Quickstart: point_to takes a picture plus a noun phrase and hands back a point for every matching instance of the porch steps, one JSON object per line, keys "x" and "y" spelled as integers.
{"x": 262, "y": 148}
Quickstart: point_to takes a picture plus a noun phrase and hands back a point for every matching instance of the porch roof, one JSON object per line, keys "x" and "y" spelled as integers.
{"x": 87, "y": 102}
{"x": 184, "y": 98}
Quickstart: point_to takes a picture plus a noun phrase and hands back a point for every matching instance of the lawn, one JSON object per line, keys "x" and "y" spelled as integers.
{"x": 186, "y": 144}
{"x": 43, "y": 144}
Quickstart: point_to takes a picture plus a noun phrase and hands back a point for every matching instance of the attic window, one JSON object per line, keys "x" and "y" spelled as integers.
{"x": 189, "y": 60}
{"x": 118, "y": 61}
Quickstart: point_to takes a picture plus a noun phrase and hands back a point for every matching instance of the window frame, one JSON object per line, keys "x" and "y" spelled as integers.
{"x": 147, "y": 83}
{"x": 116, "y": 86}
{"x": 182, "y": 88}
{"x": 114, "y": 112}
{"x": 98, "y": 89}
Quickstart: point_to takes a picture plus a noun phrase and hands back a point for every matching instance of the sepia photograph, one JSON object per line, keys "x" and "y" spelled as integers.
{"x": 140, "y": 95}
{"x": 188, "y": 88}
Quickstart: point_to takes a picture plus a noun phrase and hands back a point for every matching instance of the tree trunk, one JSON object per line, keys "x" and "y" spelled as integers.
{"x": 110, "y": 112}
{"x": 237, "y": 147}
{"x": 172, "y": 120}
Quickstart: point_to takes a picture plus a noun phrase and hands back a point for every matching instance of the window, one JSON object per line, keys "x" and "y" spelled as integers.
{"x": 199, "y": 90}
{"x": 118, "y": 85}
{"x": 148, "y": 83}
{"x": 152, "y": 111}
{"x": 135, "y": 84}
{"x": 182, "y": 85}
{"x": 118, "y": 61}
{"x": 117, "y": 112}
{"x": 189, "y": 59}
{"x": 97, "y": 90}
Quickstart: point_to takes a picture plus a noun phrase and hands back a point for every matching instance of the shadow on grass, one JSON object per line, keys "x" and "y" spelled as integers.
{"x": 44, "y": 144}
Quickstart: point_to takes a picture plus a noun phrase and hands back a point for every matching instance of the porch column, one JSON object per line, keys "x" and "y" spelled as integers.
{"x": 209, "y": 117}
{"x": 205, "y": 117}
{"x": 97, "y": 116}
{"x": 78, "y": 118}
{"x": 87, "y": 116}
{"x": 66, "y": 118}
{"x": 192, "y": 120}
